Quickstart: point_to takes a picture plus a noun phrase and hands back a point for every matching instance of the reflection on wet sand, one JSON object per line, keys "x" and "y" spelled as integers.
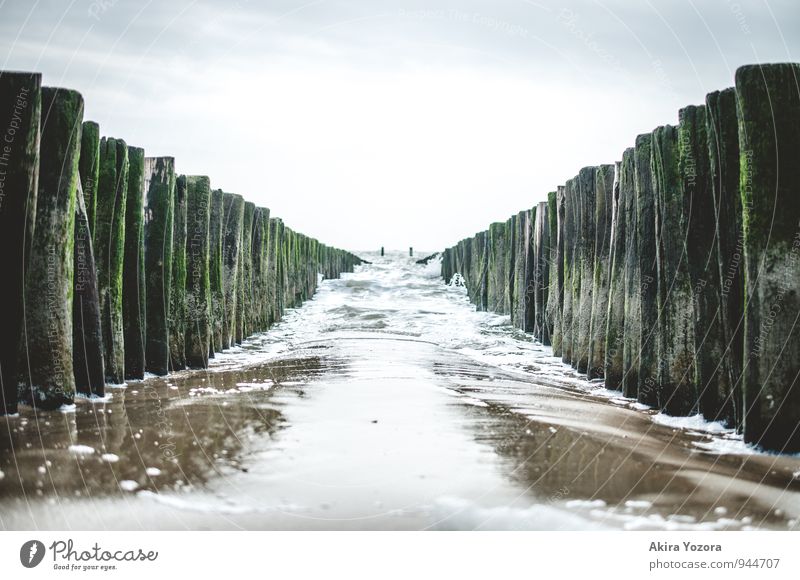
{"x": 386, "y": 402}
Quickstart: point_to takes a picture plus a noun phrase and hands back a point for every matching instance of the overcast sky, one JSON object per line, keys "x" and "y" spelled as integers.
{"x": 372, "y": 122}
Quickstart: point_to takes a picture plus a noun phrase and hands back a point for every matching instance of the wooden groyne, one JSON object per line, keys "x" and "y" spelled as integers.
{"x": 675, "y": 273}
{"x": 114, "y": 265}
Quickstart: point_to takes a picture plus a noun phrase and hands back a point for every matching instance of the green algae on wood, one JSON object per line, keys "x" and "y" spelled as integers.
{"x": 89, "y": 168}
{"x": 244, "y": 284}
{"x": 632, "y": 329}
{"x": 49, "y": 380}
{"x": 159, "y": 173}
{"x": 20, "y": 117}
{"x": 177, "y": 287}
{"x": 677, "y": 391}
{"x": 769, "y": 139}
{"x": 555, "y": 300}
{"x": 133, "y": 276}
{"x": 540, "y": 272}
{"x": 109, "y": 246}
{"x": 570, "y": 282}
{"x": 198, "y": 284}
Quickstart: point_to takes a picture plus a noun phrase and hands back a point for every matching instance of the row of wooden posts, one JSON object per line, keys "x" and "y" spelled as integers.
{"x": 674, "y": 273}
{"x": 112, "y": 265}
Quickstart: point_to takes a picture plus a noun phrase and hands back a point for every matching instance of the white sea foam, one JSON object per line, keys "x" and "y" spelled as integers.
{"x": 81, "y": 449}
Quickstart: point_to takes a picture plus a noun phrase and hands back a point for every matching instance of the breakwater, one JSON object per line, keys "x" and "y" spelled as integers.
{"x": 115, "y": 265}
{"x": 674, "y": 273}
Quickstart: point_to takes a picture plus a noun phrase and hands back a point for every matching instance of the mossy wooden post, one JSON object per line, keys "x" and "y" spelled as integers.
{"x": 275, "y": 266}
{"x": 159, "y": 173}
{"x": 723, "y": 147}
{"x": 177, "y": 287}
{"x": 769, "y": 139}
{"x": 109, "y": 246}
{"x": 198, "y": 282}
{"x": 234, "y": 215}
{"x": 713, "y": 375}
{"x": 523, "y": 293}
{"x": 216, "y": 226}
{"x": 480, "y": 268}
{"x": 570, "y": 281}
{"x": 585, "y": 264}
{"x": 646, "y": 252}
{"x": 259, "y": 260}
{"x": 89, "y": 169}
{"x": 47, "y": 338}
{"x": 87, "y": 331}
{"x": 632, "y": 331}
{"x": 508, "y": 266}
{"x": 20, "y": 117}
{"x": 615, "y": 328}
{"x": 280, "y": 272}
{"x": 497, "y": 286}
{"x": 555, "y": 300}
{"x": 603, "y": 207}
{"x": 540, "y": 272}
{"x": 677, "y": 391}
{"x": 267, "y": 270}
{"x": 133, "y": 279}
{"x": 244, "y": 287}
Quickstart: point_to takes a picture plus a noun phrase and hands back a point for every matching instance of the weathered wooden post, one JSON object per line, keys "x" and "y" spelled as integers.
{"x": 540, "y": 272}
{"x": 87, "y": 331}
{"x": 604, "y": 195}
{"x": 133, "y": 280}
{"x": 555, "y": 301}
{"x": 159, "y": 173}
{"x": 381, "y": 250}
{"x": 570, "y": 279}
{"x": 523, "y": 292}
{"x": 47, "y": 337}
{"x": 244, "y": 286}
{"x": 89, "y": 169}
{"x": 109, "y": 246}
{"x": 497, "y": 287}
{"x": 613, "y": 370}
{"x": 723, "y": 147}
{"x": 177, "y": 287}
{"x": 769, "y": 139}
{"x": 477, "y": 290}
{"x": 585, "y": 264}
{"x": 234, "y": 216}
{"x": 676, "y": 322}
{"x": 20, "y": 116}
{"x": 215, "y": 270}
{"x": 198, "y": 283}
{"x": 713, "y": 376}
{"x": 411, "y": 252}
{"x": 632, "y": 330}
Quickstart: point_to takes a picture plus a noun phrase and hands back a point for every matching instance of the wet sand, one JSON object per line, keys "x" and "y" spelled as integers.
{"x": 384, "y": 403}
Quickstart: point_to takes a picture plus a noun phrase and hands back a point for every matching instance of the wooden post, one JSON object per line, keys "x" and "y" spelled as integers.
{"x": 47, "y": 337}
{"x": 215, "y": 270}
{"x": 603, "y": 196}
{"x": 109, "y": 246}
{"x": 89, "y": 168}
{"x": 20, "y": 116}
{"x": 133, "y": 280}
{"x": 244, "y": 287}
{"x": 159, "y": 173}
{"x": 571, "y": 281}
{"x": 87, "y": 331}
{"x": 234, "y": 216}
{"x": 769, "y": 139}
{"x": 677, "y": 390}
{"x": 177, "y": 287}
{"x": 617, "y": 292}
{"x": 198, "y": 284}
{"x": 723, "y": 147}
{"x": 637, "y": 163}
